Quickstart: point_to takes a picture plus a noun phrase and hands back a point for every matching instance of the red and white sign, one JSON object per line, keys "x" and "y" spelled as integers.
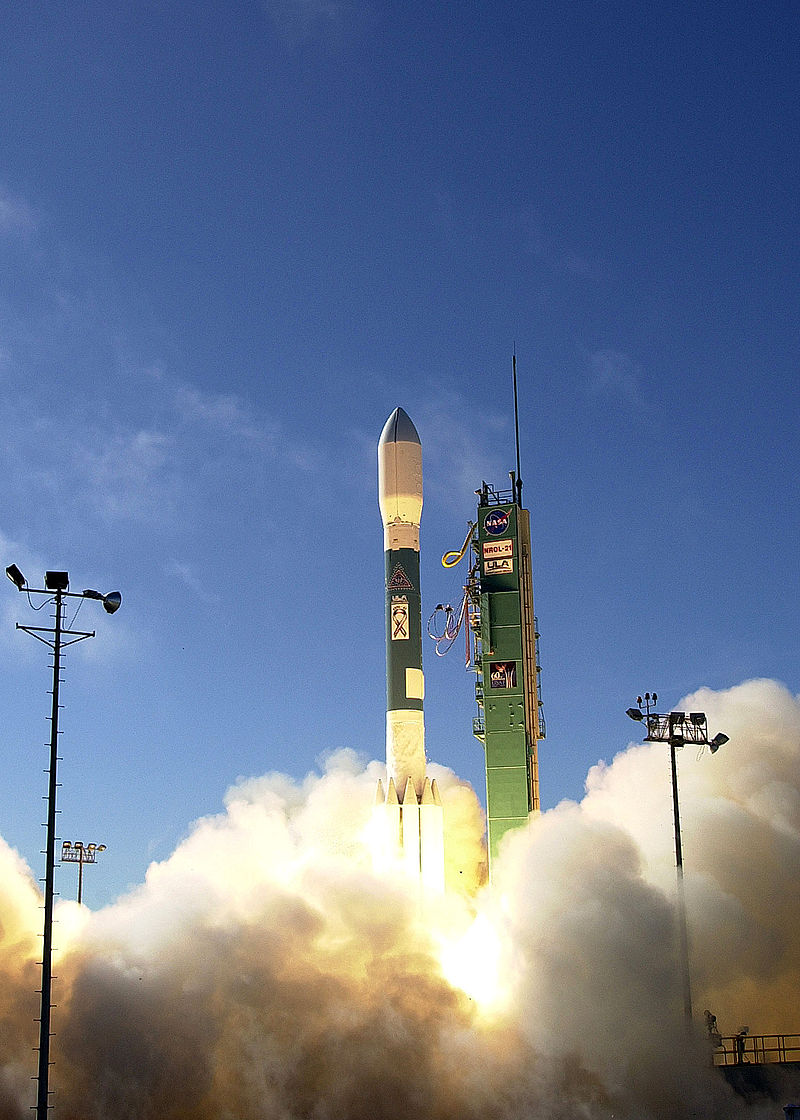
{"x": 495, "y": 549}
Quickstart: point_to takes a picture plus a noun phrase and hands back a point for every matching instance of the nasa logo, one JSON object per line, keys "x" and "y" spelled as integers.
{"x": 496, "y": 522}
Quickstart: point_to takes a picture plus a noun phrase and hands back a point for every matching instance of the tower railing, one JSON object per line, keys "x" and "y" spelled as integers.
{"x": 758, "y": 1049}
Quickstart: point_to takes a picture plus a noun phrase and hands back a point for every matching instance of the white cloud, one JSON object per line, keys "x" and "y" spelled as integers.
{"x": 224, "y": 412}
{"x": 453, "y": 456}
{"x": 615, "y": 373}
{"x": 126, "y": 474}
{"x": 297, "y": 21}
{"x": 230, "y": 420}
{"x": 16, "y": 216}
{"x": 168, "y": 452}
{"x": 190, "y": 579}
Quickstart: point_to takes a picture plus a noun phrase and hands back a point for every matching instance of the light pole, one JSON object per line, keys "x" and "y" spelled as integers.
{"x": 56, "y": 588}
{"x": 80, "y": 853}
{"x": 677, "y": 729}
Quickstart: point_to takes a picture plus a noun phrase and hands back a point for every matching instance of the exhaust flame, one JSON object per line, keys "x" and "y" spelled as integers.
{"x": 266, "y": 971}
{"x": 473, "y": 963}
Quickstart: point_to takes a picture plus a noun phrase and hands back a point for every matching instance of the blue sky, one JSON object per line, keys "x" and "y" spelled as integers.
{"x": 233, "y": 238}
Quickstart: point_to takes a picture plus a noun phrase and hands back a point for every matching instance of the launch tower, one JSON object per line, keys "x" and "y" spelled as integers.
{"x": 502, "y": 649}
{"x": 505, "y": 659}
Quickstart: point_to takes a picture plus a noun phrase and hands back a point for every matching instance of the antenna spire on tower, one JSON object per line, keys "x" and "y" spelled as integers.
{"x": 518, "y": 483}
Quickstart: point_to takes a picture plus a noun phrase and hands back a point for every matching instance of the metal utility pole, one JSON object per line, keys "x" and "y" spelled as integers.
{"x": 677, "y": 729}
{"x": 56, "y": 588}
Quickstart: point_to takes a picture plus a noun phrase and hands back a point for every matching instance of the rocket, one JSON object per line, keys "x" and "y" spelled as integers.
{"x": 400, "y": 501}
{"x": 408, "y": 813}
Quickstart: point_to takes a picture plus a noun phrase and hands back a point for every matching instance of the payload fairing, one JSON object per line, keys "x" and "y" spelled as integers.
{"x": 408, "y": 812}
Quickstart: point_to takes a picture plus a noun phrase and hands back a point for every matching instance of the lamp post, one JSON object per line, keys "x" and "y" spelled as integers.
{"x": 677, "y": 729}
{"x": 56, "y": 588}
{"x": 80, "y": 853}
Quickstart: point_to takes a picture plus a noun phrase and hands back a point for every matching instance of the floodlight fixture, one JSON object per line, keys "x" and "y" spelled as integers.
{"x": 16, "y": 576}
{"x": 80, "y": 853}
{"x": 112, "y": 602}
{"x": 56, "y": 581}
{"x": 697, "y": 718}
{"x": 718, "y": 741}
{"x": 634, "y": 713}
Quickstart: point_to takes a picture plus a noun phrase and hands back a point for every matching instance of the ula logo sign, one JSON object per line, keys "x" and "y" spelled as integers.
{"x": 496, "y": 522}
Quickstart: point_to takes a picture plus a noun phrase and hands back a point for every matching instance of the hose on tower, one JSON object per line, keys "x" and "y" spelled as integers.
{"x": 450, "y": 559}
{"x": 445, "y": 630}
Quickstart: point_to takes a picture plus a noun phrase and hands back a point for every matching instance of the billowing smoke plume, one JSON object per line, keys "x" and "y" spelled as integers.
{"x": 265, "y": 972}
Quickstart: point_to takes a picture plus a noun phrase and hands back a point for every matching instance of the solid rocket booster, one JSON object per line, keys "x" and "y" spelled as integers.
{"x": 410, "y": 808}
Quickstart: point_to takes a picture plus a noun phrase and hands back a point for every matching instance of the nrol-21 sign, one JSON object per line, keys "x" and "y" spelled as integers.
{"x": 494, "y": 550}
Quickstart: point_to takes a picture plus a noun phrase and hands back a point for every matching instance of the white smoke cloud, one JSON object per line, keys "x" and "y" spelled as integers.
{"x": 740, "y": 825}
{"x": 265, "y": 970}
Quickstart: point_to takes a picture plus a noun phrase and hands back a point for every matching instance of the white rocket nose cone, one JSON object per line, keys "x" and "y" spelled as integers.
{"x": 400, "y": 478}
{"x": 399, "y": 428}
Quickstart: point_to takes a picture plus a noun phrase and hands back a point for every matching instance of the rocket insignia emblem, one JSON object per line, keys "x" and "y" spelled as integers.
{"x": 400, "y": 630}
{"x": 399, "y": 580}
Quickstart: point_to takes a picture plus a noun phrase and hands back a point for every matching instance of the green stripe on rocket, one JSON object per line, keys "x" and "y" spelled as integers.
{"x": 403, "y": 630}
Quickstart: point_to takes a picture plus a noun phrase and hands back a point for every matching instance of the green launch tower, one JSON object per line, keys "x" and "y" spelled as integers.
{"x": 505, "y": 658}
{"x": 502, "y": 649}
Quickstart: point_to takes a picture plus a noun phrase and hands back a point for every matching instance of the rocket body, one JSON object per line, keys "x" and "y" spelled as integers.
{"x": 400, "y": 500}
{"x": 409, "y": 811}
